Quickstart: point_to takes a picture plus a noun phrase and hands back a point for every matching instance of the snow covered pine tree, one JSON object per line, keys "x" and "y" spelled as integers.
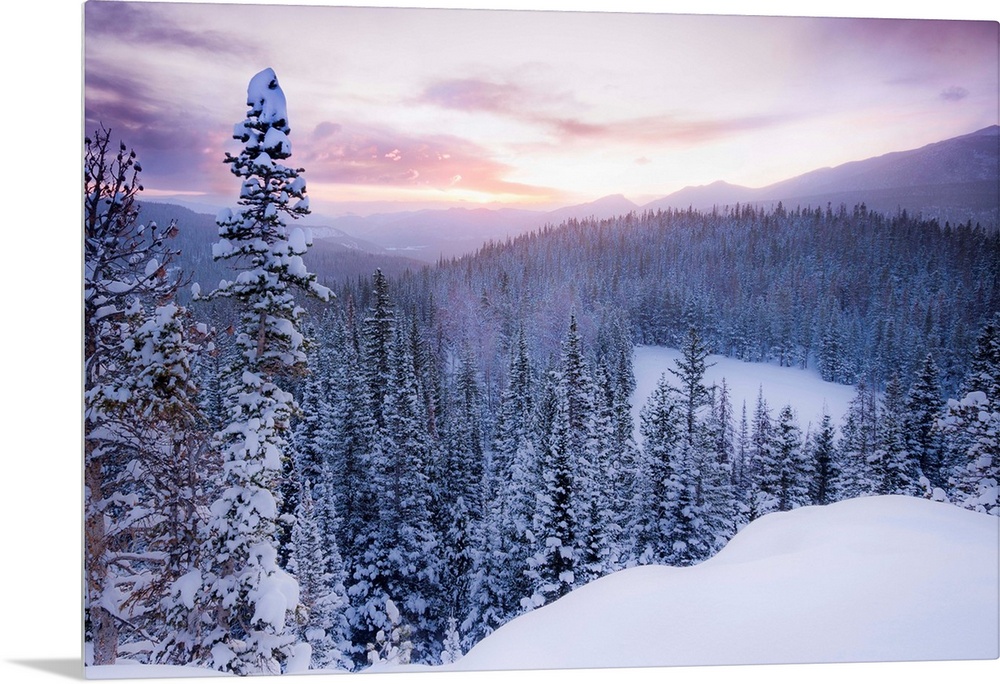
{"x": 251, "y": 596}
{"x": 138, "y": 410}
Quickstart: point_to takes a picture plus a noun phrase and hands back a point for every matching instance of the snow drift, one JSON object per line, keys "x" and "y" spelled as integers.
{"x": 876, "y": 579}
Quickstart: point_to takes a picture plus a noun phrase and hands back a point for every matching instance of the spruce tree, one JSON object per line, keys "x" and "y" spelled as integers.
{"x": 661, "y": 428}
{"x": 459, "y": 490}
{"x": 785, "y": 474}
{"x": 825, "y": 463}
{"x": 251, "y": 596}
{"x": 317, "y": 566}
{"x": 588, "y": 458}
{"x": 761, "y": 453}
{"x": 517, "y": 478}
{"x": 569, "y": 544}
{"x": 897, "y": 471}
{"x": 615, "y": 383}
{"x": 857, "y": 444}
{"x": 924, "y": 405}
{"x": 741, "y": 471}
{"x": 396, "y": 564}
{"x": 690, "y": 373}
{"x": 971, "y": 428}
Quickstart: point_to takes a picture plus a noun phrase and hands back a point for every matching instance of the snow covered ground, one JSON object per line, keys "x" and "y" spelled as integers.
{"x": 807, "y": 393}
{"x": 875, "y": 579}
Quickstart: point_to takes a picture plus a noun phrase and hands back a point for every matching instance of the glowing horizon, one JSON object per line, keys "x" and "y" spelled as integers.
{"x": 399, "y": 107}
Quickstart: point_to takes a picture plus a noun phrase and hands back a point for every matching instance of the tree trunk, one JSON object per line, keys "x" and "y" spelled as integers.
{"x": 103, "y": 628}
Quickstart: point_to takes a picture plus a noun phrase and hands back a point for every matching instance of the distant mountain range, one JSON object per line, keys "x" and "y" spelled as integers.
{"x": 954, "y": 180}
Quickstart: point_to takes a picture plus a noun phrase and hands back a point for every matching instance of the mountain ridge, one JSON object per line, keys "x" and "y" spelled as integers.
{"x": 956, "y": 180}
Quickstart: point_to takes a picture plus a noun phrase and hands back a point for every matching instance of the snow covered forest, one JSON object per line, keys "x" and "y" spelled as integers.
{"x": 295, "y": 470}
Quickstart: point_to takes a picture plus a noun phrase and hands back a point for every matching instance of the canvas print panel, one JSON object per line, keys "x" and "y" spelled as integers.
{"x": 472, "y": 340}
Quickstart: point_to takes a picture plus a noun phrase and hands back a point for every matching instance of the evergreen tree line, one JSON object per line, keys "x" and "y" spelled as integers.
{"x": 853, "y": 293}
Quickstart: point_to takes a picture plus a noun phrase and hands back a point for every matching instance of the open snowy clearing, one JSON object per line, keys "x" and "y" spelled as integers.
{"x": 807, "y": 393}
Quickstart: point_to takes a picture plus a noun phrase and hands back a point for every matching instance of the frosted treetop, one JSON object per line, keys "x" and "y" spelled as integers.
{"x": 266, "y": 100}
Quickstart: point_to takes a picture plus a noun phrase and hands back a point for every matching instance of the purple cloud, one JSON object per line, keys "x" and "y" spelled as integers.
{"x": 326, "y": 129}
{"x": 528, "y": 106}
{"x": 143, "y": 24}
{"x": 176, "y": 145}
{"x": 954, "y": 94}
{"x": 476, "y": 95}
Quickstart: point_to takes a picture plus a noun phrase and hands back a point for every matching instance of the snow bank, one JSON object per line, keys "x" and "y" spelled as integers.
{"x": 876, "y": 579}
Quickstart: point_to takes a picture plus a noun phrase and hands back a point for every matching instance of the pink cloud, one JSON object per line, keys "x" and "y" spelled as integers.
{"x": 362, "y": 154}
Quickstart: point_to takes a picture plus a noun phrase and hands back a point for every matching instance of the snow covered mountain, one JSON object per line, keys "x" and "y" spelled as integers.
{"x": 956, "y": 179}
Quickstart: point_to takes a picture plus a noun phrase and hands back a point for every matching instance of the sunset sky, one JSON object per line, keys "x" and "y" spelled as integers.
{"x": 405, "y": 108}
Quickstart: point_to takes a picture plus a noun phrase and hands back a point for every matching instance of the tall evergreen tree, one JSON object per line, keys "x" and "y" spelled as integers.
{"x": 826, "y": 470}
{"x": 252, "y": 598}
{"x": 690, "y": 373}
{"x": 396, "y": 566}
{"x": 588, "y": 459}
{"x": 316, "y": 564}
{"x": 971, "y": 427}
{"x": 856, "y": 448}
{"x": 897, "y": 471}
{"x": 716, "y": 474}
{"x": 459, "y": 490}
{"x": 661, "y": 427}
{"x": 568, "y": 515}
{"x": 378, "y": 331}
{"x": 741, "y": 479}
{"x": 924, "y": 405}
{"x": 785, "y": 474}
{"x": 516, "y": 481}
{"x": 552, "y": 569}
{"x": 762, "y": 448}
{"x": 615, "y": 383}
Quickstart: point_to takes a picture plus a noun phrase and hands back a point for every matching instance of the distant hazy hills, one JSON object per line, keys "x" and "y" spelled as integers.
{"x": 954, "y": 180}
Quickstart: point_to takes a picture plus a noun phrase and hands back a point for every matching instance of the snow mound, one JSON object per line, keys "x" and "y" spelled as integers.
{"x": 876, "y": 579}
